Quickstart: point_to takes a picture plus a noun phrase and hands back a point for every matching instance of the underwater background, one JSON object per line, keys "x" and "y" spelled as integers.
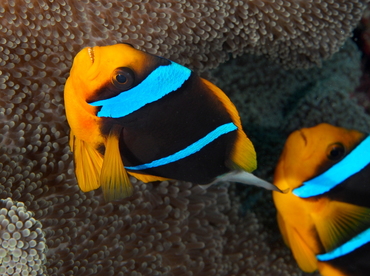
{"x": 279, "y": 84}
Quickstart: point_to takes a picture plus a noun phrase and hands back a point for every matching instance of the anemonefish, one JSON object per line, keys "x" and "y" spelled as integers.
{"x": 133, "y": 112}
{"x": 325, "y": 216}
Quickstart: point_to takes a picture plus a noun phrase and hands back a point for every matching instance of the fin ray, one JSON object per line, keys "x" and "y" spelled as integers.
{"x": 282, "y": 227}
{"x": 88, "y": 164}
{"x": 327, "y": 269}
{"x": 243, "y": 154}
{"x": 147, "y": 178}
{"x": 303, "y": 254}
{"x": 339, "y": 222}
{"x": 114, "y": 179}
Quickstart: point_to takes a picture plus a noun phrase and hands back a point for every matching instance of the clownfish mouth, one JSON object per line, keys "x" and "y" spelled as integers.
{"x": 90, "y": 51}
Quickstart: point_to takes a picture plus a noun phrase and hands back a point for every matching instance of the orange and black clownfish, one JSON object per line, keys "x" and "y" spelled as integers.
{"x": 325, "y": 217}
{"x": 133, "y": 112}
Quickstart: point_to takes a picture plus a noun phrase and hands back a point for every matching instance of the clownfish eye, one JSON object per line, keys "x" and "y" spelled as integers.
{"x": 123, "y": 78}
{"x": 336, "y": 151}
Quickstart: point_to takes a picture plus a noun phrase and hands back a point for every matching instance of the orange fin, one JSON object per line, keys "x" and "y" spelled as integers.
{"x": 339, "y": 221}
{"x": 327, "y": 270}
{"x": 303, "y": 254}
{"x": 147, "y": 178}
{"x": 88, "y": 164}
{"x": 282, "y": 228}
{"x": 114, "y": 179}
{"x": 243, "y": 155}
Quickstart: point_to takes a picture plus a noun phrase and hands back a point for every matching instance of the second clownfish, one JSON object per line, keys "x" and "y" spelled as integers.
{"x": 133, "y": 112}
{"x": 325, "y": 217}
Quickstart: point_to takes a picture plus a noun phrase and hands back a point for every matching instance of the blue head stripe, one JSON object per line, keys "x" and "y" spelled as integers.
{"x": 354, "y": 243}
{"x": 162, "y": 81}
{"x": 355, "y": 161}
{"x": 193, "y": 148}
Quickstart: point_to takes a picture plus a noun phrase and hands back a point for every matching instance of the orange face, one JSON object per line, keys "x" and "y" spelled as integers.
{"x": 93, "y": 72}
{"x": 310, "y": 151}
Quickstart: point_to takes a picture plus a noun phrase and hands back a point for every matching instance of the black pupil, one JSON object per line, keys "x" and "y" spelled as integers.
{"x": 337, "y": 152}
{"x": 121, "y": 78}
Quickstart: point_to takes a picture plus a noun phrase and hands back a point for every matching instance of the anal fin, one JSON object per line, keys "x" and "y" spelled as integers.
{"x": 88, "y": 164}
{"x": 147, "y": 178}
{"x": 327, "y": 270}
{"x": 114, "y": 179}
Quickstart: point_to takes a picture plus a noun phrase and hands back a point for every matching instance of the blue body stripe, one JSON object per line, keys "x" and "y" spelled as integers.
{"x": 162, "y": 81}
{"x": 355, "y": 161}
{"x": 193, "y": 148}
{"x": 353, "y": 244}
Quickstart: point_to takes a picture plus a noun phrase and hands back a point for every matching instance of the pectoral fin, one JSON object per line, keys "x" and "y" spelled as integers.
{"x": 303, "y": 254}
{"x": 114, "y": 179}
{"x": 339, "y": 221}
{"x": 88, "y": 164}
{"x": 282, "y": 228}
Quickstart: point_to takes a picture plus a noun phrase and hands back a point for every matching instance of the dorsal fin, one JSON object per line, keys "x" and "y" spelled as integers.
{"x": 243, "y": 155}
